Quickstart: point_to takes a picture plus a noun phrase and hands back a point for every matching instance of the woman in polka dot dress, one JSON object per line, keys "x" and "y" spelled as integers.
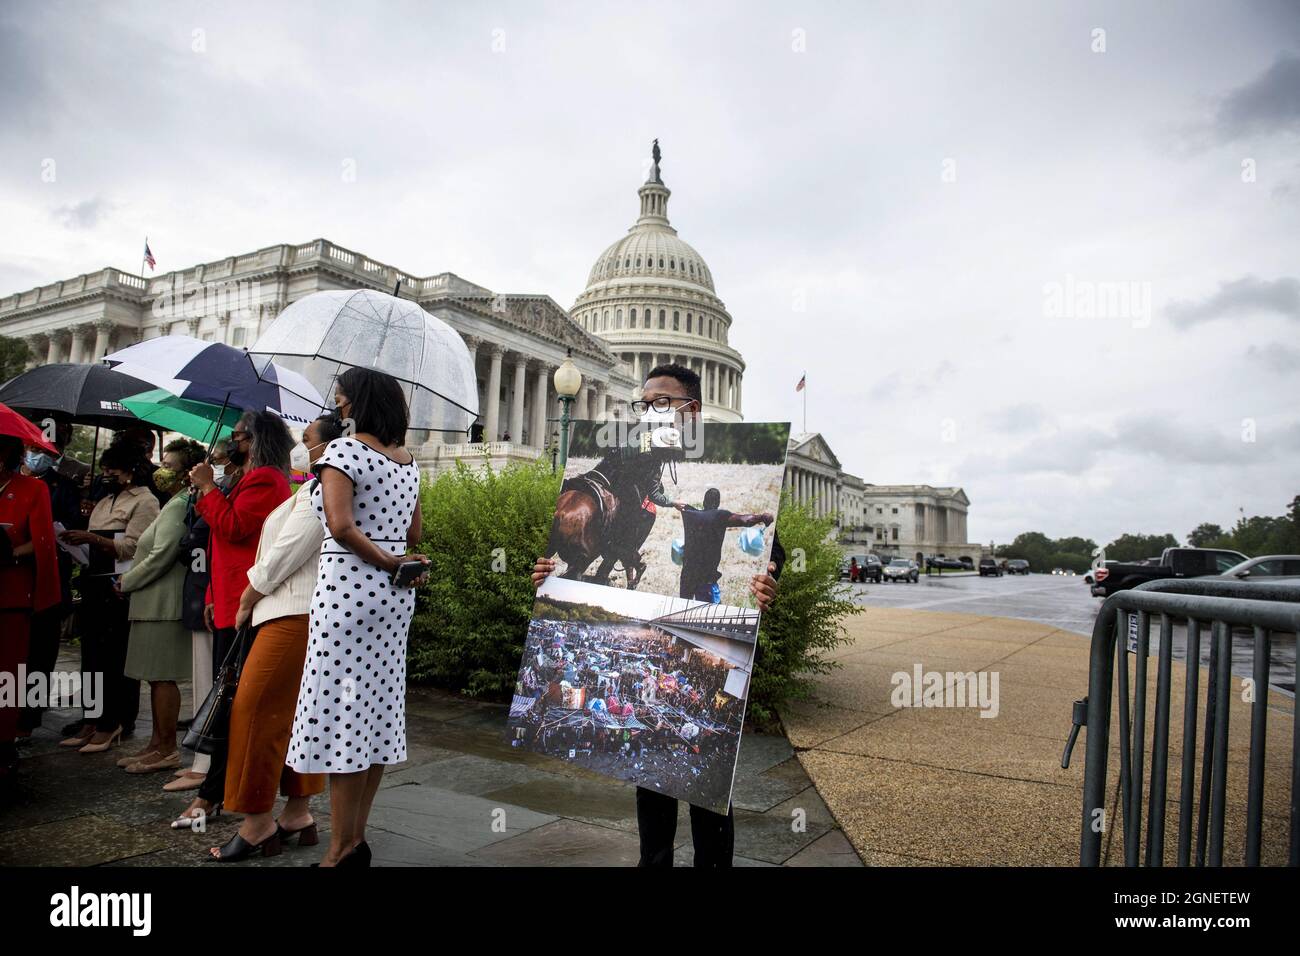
{"x": 350, "y": 720}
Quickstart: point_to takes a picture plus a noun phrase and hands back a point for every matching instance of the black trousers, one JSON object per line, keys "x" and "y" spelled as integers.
{"x": 713, "y": 835}
{"x": 213, "y": 788}
{"x": 42, "y": 656}
{"x": 105, "y": 632}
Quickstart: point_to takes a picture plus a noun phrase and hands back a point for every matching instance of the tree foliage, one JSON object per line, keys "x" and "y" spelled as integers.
{"x": 1253, "y": 536}
{"x": 1044, "y": 553}
{"x": 1136, "y": 547}
{"x": 14, "y": 354}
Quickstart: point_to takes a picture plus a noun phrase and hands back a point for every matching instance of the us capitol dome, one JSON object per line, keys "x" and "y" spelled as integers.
{"x": 650, "y": 297}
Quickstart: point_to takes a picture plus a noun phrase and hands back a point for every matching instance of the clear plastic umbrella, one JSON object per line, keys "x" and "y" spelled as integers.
{"x": 323, "y": 334}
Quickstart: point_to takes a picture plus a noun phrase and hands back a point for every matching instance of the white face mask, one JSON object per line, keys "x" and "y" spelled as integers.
{"x": 300, "y": 456}
{"x": 654, "y": 417}
{"x": 218, "y": 472}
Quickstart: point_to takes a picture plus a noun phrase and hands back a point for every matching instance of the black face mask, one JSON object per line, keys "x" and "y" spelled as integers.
{"x": 237, "y": 456}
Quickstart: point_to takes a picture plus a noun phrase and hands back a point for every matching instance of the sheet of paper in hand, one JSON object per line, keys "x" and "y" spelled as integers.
{"x": 638, "y": 657}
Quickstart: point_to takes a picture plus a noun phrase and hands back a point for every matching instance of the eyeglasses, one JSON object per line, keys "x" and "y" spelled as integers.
{"x": 240, "y": 436}
{"x": 663, "y": 403}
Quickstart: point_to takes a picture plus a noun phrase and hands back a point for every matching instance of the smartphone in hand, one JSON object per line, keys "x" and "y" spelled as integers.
{"x": 406, "y": 573}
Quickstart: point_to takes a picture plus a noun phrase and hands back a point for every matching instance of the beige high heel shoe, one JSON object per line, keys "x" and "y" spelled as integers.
{"x": 113, "y": 739}
{"x": 81, "y": 739}
{"x": 137, "y": 757}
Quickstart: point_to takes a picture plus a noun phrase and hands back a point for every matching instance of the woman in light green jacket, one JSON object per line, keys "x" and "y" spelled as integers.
{"x": 159, "y": 650}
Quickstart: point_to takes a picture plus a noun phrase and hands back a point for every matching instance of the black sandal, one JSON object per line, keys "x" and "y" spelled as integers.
{"x": 237, "y": 849}
{"x": 307, "y": 836}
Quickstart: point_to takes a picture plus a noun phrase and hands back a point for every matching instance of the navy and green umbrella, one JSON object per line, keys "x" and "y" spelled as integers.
{"x": 202, "y": 421}
{"x": 221, "y": 375}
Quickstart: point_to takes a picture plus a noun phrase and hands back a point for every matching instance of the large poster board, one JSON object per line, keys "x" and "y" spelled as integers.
{"x": 638, "y": 657}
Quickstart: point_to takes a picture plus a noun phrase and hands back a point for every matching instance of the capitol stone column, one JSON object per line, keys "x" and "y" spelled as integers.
{"x": 517, "y": 400}
{"x": 77, "y": 355}
{"x": 103, "y": 337}
{"x": 472, "y": 342}
{"x": 54, "y": 352}
{"x": 537, "y": 423}
{"x": 493, "y": 396}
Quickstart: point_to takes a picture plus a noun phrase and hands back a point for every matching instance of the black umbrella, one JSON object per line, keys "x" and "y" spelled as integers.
{"x": 82, "y": 394}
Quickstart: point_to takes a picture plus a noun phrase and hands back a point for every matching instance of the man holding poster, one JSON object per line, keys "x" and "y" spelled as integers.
{"x": 672, "y": 394}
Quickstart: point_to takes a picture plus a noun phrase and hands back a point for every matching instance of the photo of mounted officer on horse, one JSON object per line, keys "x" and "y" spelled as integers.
{"x": 673, "y": 504}
{"x": 607, "y": 512}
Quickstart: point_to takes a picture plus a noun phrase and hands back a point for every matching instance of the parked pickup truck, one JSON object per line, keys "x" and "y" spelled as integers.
{"x": 1173, "y": 563}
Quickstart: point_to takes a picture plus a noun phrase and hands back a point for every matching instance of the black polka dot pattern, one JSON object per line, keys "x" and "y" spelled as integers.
{"x": 352, "y": 700}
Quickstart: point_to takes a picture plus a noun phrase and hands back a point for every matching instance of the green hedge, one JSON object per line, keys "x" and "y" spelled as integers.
{"x": 483, "y": 529}
{"x": 805, "y": 622}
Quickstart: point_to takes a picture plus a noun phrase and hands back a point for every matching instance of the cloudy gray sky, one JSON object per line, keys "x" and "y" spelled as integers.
{"x": 1057, "y": 266}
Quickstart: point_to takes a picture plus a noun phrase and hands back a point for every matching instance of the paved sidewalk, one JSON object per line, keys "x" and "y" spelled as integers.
{"x": 464, "y": 798}
{"x": 945, "y": 786}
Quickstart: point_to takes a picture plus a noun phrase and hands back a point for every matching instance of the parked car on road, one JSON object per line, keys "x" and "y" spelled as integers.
{"x": 1269, "y": 567}
{"x": 948, "y": 564}
{"x": 868, "y": 567}
{"x": 988, "y": 566}
{"x": 1173, "y": 563}
{"x": 902, "y": 569}
{"x": 1017, "y": 566}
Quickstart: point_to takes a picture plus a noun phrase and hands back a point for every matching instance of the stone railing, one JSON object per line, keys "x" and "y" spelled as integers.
{"x": 489, "y": 449}
{"x": 496, "y": 455}
{"x": 89, "y": 282}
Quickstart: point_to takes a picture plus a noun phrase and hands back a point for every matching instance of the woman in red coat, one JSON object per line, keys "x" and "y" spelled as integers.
{"x": 29, "y": 580}
{"x": 260, "y": 444}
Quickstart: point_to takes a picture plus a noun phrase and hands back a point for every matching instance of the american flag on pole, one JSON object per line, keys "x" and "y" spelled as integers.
{"x": 148, "y": 256}
{"x": 802, "y": 381}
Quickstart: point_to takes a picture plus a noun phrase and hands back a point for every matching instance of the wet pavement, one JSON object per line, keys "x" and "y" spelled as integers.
{"x": 975, "y": 778}
{"x": 1063, "y": 602}
{"x": 464, "y": 798}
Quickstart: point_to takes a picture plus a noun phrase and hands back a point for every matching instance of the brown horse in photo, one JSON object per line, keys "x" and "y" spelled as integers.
{"x": 582, "y": 531}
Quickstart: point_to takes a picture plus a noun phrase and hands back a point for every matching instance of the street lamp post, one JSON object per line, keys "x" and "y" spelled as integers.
{"x": 568, "y": 382}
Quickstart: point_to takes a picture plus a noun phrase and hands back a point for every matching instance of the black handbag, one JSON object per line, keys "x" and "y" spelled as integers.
{"x": 194, "y": 590}
{"x": 211, "y": 725}
{"x": 195, "y": 537}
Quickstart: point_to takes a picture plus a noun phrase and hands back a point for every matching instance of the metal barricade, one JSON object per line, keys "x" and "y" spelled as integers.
{"x": 1220, "y": 604}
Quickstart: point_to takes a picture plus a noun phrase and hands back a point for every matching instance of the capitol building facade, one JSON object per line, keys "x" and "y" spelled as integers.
{"x": 650, "y": 299}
